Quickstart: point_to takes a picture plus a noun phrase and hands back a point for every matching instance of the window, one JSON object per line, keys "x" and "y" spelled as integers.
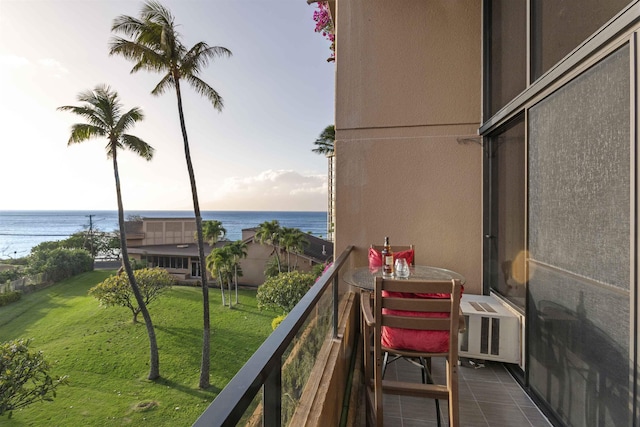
{"x": 559, "y": 26}
{"x": 579, "y": 246}
{"x": 506, "y": 234}
{"x": 508, "y": 52}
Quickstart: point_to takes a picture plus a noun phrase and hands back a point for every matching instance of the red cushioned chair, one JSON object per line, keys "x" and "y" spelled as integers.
{"x": 403, "y": 322}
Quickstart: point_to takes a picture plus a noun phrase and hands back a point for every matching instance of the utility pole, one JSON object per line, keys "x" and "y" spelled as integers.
{"x": 91, "y": 234}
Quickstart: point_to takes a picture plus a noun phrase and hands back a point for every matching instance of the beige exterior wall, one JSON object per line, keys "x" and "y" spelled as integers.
{"x": 167, "y": 231}
{"x": 407, "y": 92}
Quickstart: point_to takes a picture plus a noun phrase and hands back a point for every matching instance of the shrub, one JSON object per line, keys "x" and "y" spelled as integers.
{"x": 59, "y": 263}
{"x": 9, "y": 274}
{"x": 9, "y": 297}
{"x": 284, "y": 291}
{"x": 276, "y": 322}
{"x": 24, "y": 377}
{"x": 116, "y": 290}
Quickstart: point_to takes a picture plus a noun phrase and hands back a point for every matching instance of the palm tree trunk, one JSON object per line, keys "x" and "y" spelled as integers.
{"x": 206, "y": 332}
{"x": 235, "y": 280}
{"x": 154, "y": 362}
{"x": 277, "y": 252}
{"x": 221, "y": 288}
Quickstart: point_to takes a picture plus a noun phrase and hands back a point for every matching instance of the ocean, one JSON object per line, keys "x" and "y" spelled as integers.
{"x": 22, "y": 230}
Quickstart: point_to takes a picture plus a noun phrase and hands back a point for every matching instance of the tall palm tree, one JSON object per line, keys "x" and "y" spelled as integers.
{"x": 103, "y": 112}
{"x": 324, "y": 143}
{"x": 156, "y": 46}
{"x": 269, "y": 233}
{"x": 238, "y": 250}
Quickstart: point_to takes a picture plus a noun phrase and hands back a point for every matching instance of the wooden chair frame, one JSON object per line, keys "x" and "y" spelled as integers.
{"x": 374, "y": 319}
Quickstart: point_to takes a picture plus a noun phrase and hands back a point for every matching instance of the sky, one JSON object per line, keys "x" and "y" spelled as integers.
{"x": 277, "y": 87}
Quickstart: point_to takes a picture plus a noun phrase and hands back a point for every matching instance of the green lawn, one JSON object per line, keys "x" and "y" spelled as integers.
{"x": 106, "y": 356}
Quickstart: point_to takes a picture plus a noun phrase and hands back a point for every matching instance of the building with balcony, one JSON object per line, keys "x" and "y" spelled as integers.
{"x": 499, "y": 137}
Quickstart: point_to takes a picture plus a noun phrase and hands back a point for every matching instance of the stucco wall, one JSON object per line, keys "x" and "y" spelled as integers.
{"x": 407, "y": 92}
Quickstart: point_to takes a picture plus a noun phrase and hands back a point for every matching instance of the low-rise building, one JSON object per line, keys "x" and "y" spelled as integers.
{"x": 170, "y": 243}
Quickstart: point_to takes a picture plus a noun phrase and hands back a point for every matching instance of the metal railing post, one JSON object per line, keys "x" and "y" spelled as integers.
{"x": 272, "y": 398}
{"x": 335, "y": 306}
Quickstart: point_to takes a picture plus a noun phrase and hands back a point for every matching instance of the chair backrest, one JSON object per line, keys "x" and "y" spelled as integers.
{"x": 400, "y": 305}
{"x": 406, "y": 251}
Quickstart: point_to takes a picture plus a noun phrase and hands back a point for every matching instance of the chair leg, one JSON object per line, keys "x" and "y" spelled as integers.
{"x": 428, "y": 379}
{"x": 385, "y": 360}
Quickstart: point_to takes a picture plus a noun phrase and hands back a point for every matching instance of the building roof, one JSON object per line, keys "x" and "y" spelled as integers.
{"x": 319, "y": 249}
{"x": 183, "y": 249}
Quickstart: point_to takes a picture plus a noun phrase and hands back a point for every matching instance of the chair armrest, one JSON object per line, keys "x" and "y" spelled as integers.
{"x": 365, "y": 308}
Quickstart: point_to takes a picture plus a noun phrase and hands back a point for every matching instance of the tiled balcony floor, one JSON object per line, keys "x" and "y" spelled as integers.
{"x": 489, "y": 397}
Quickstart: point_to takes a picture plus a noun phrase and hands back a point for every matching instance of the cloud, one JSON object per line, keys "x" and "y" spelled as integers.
{"x": 271, "y": 190}
{"x": 13, "y": 61}
{"x": 48, "y": 65}
{"x": 53, "y": 66}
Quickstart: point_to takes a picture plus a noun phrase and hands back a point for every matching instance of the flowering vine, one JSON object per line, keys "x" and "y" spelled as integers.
{"x": 324, "y": 25}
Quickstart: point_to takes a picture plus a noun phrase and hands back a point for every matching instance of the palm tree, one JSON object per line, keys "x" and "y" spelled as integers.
{"x": 269, "y": 233}
{"x": 156, "y": 46}
{"x": 103, "y": 112}
{"x": 293, "y": 240}
{"x": 219, "y": 263}
{"x": 238, "y": 250}
{"x": 325, "y": 141}
{"x": 213, "y": 232}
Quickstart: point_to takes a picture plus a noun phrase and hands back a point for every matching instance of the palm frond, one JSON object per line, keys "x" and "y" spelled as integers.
{"x": 81, "y": 132}
{"x": 203, "y": 88}
{"x": 155, "y": 12}
{"x": 325, "y": 142}
{"x": 128, "y": 119}
{"x": 127, "y": 25}
{"x": 200, "y": 55}
{"x": 137, "y": 145}
{"x": 164, "y": 84}
{"x": 146, "y": 57}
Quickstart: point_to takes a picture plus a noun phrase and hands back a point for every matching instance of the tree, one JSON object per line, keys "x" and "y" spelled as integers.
{"x": 98, "y": 243}
{"x": 238, "y": 250}
{"x": 269, "y": 233}
{"x": 293, "y": 240}
{"x": 156, "y": 46}
{"x": 24, "y": 377}
{"x": 59, "y": 263}
{"x": 219, "y": 263}
{"x": 116, "y": 290}
{"x": 213, "y": 232}
{"x": 103, "y": 112}
{"x": 324, "y": 143}
{"x": 284, "y": 291}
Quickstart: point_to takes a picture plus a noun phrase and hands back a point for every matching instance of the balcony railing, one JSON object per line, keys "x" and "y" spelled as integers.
{"x": 255, "y": 394}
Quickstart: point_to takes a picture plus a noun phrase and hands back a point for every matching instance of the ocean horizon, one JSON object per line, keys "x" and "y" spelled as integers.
{"x": 20, "y": 230}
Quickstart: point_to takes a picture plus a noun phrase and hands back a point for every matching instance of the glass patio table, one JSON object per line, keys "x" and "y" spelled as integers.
{"x": 363, "y": 277}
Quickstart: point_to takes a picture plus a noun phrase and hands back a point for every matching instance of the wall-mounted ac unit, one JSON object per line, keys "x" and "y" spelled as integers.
{"x": 493, "y": 332}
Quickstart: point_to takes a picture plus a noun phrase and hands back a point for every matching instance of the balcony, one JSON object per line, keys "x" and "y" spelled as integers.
{"x": 308, "y": 373}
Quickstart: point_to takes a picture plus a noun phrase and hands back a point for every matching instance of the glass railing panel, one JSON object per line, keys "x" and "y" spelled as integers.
{"x": 253, "y": 415}
{"x": 301, "y": 355}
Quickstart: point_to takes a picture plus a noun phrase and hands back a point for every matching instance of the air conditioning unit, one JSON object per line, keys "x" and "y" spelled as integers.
{"x": 493, "y": 331}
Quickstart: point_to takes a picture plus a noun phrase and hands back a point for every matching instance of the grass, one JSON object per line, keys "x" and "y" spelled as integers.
{"x": 106, "y": 356}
